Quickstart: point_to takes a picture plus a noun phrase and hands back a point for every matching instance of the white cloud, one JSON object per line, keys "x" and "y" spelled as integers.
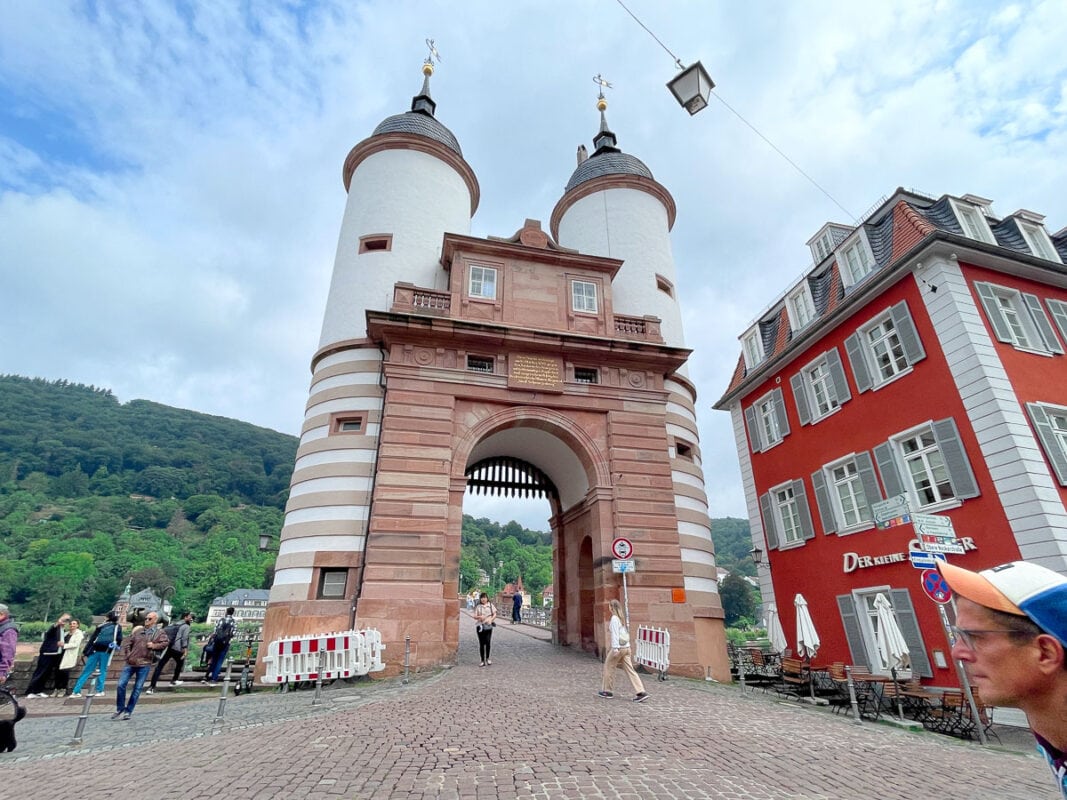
{"x": 170, "y": 180}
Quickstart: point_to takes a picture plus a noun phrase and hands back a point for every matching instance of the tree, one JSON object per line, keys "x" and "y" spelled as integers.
{"x": 736, "y": 597}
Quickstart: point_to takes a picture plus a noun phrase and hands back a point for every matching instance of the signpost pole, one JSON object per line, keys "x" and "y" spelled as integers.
{"x": 962, "y": 673}
{"x": 625, "y": 601}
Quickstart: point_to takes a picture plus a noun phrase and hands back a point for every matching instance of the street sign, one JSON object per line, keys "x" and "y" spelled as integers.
{"x": 923, "y": 560}
{"x": 933, "y": 525}
{"x": 622, "y": 548}
{"x": 622, "y": 565}
{"x": 892, "y": 512}
{"x": 944, "y": 546}
{"x": 935, "y": 587}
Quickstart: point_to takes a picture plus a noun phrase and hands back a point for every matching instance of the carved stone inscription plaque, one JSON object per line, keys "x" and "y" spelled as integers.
{"x": 544, "y": 373}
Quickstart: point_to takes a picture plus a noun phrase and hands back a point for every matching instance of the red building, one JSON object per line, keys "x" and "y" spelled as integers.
{"x": 922, "y": 355}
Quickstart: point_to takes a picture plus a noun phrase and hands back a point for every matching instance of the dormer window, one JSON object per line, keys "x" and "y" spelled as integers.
{"x": 1037, "y": 239}
{"x": 800, "y": 307}
{"x": 855, "y": 260}
{"x": 753, "y": 346}
{"x": 822, "y": 244}
{"x": 482, "y": 282}
{"x": 822, "y": 247}
{"x": 972, "y": 221}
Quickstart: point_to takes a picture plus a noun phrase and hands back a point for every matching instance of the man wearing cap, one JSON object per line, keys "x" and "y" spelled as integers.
{"x": 1011, "y": 635}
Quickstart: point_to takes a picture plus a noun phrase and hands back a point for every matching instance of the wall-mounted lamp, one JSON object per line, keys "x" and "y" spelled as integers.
{"x": 692, "y": 87}
{"x": 757, "y": 555}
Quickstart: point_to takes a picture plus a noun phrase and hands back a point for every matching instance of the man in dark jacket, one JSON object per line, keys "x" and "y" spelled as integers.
{"x": 141, "y": 649}
{"x": 48, "y": 658}
{"x": 103, "y": 641}
{"x": 177, "y": 649}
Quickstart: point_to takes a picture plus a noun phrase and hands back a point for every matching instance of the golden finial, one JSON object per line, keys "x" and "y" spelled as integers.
{"x": 601, "y": 103}
{"x": 433, "y": 58}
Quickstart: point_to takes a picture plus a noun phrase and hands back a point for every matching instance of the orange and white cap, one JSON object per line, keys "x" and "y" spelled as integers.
{"x": 1018, "y": 587}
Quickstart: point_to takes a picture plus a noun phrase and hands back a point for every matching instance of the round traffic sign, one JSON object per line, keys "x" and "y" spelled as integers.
{"x": 622, "y": 548}
{"x": 935, "y": 587}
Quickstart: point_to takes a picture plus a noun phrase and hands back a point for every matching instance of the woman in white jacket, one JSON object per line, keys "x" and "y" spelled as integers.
{"x": 619, "y": 655}
{"x": 72, "y": 646}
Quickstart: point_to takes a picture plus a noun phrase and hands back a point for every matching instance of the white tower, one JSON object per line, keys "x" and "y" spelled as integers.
{"x": 408, "y": 185}
{"x": 612, "y": 206}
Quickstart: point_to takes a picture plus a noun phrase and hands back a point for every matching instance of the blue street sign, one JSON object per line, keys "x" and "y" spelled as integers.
{"x": 920, "y": 559}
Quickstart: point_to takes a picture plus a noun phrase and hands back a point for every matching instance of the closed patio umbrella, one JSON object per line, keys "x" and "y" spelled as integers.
{"x": 774, "y": 629}
{"x": 807, "y": 637}
{"x": 891, "y": 645}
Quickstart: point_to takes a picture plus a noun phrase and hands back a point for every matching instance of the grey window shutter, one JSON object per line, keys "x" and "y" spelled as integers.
{"x": 856, "y": 646}
{"x": 807, "y": 530}
{"x": 887, "y": 467}
{"x": 959, "y": 468}
{"x": 822, "y": 500}
{"x": 856, "y": 357}
{"x": 909, "y": 626}
{"x": 800, "y": 396}
{"x": 1053, "y": 451}
{"x": 909, "y": 337}
{"x": 1044, "y": 327}
{"x": 871, "y": 490}
{"x": 992, "y": 311}
{"x": 837, "y": 375}
{"x": 768, "y": 521}
{"x": 1059, "y": 313}
{"x": 779, "y": 410}
{"x": 754, "y": 440}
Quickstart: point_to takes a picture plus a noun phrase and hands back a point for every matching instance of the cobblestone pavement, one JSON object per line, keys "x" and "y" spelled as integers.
{"x": 529, "y": 727}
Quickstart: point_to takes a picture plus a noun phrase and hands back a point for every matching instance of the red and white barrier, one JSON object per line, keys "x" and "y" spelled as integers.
{"x": 654, "y": 649}
{"x": 338, "y": 655}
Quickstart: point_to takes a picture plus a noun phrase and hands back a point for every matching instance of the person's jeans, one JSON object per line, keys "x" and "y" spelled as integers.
{"x": 94, "y": 661}
{"x": 218, "y": 658}
{"x": 179, "y": 662}
{"x": 128, "y": 672}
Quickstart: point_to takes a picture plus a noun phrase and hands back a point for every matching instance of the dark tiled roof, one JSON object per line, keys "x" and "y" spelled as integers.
{"x": 1008, "y": 235}
{"x": 880, "y": 237}
{"x": 607, "y": 163}
{"x": 820, "y": 286}
{"x": 421, "y": 125}
{"x": 1060, "y": 243}
{"x": 941, "y": 215}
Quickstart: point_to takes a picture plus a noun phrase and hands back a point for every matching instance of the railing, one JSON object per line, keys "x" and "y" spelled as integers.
{"x": 408, "y": 297}
{"x": 541, "y": 617}
{"x": 646, "y": 327}
{"x": 654, "y": 649}
{"x": 429, "y": 299}
{"x": 335, "y": 655}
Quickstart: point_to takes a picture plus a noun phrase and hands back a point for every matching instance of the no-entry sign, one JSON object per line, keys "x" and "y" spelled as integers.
{"x": 622, "y": 548}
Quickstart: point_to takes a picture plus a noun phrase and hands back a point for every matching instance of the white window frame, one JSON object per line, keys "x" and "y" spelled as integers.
{"x": 584, "y": 297}
{"x": 1018, "y": 318}
{"x": 822, "y": 247}
{"x": 787, "y": 516}
{"x": 327, "y": 580}
{"x": 752, "y": 344}
{"x": 973, "y": 222}
{"x": 931, "y": 458}
{"x": 823, "y": 392}
{"x": 476, "y": 282}
{"x": 867, "y": 618}
{"x": 1050, "y": 424}
{"x": 1038, "y": 240}
{"x": 855, "y": 270}
{"x": 767, "y": 419}
{"x": 851, "y": 480}
{"x": 884, "y": 352}
{"x": 800, "y": 307}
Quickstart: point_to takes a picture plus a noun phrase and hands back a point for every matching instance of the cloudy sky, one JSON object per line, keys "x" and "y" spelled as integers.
{"x": 170, "y": 173}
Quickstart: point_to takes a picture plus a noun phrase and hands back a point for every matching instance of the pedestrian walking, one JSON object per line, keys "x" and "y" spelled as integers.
{"x": 72, "y": 644}
{"x": 105, "y": 639}
{"x": 1011, "y": 636}
{"x": 141, "y": 649}
{"x": 177, "y": 650}
{"x": 484, "y": 622}
{"x": 9, "y": 637}
{"x": 219, "y": 644}
{"x": 618, "y": 655}
{"x": 48, "y": 658}
{"x": 516, "y": 607}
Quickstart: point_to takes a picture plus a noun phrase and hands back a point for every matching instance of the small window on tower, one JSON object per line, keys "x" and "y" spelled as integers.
{"x": 480, "y": 364}
{"x": 683, "y": 450}
{"x": 347, "y": 423}
{"x": 332, "y": 584}
{"x": 665, "y": 285}
{"x": 376, "y": 242}
{"x": 586, "y": 375}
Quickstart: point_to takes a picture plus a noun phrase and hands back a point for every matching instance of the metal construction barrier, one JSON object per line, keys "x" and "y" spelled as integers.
{"x": 343, "y": 655}
{"x": 654, "y": 649}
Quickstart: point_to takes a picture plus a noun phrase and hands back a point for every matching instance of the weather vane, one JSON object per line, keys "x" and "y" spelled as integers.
{"x": 602, "y": 83}
{"x": 434, "y": 57}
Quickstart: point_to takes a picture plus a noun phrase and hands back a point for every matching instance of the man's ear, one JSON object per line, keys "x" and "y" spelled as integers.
{"x": 1051, "y": 654}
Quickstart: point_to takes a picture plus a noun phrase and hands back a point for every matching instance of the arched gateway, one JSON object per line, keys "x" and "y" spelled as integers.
{"x": 444, "y": 356}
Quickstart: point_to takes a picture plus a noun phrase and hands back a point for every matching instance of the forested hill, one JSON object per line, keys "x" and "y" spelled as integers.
{"x": 84, "y": 441}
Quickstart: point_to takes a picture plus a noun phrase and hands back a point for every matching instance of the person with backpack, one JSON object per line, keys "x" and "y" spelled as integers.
{"x": 105, "y": 639}
{"x": 9, "y": 637}
{"x": 219, "y": 644}
{"x": 177, "y": 649}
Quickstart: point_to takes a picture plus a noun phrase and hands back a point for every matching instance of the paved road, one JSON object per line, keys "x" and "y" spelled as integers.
{"x": 530, "y": 727}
